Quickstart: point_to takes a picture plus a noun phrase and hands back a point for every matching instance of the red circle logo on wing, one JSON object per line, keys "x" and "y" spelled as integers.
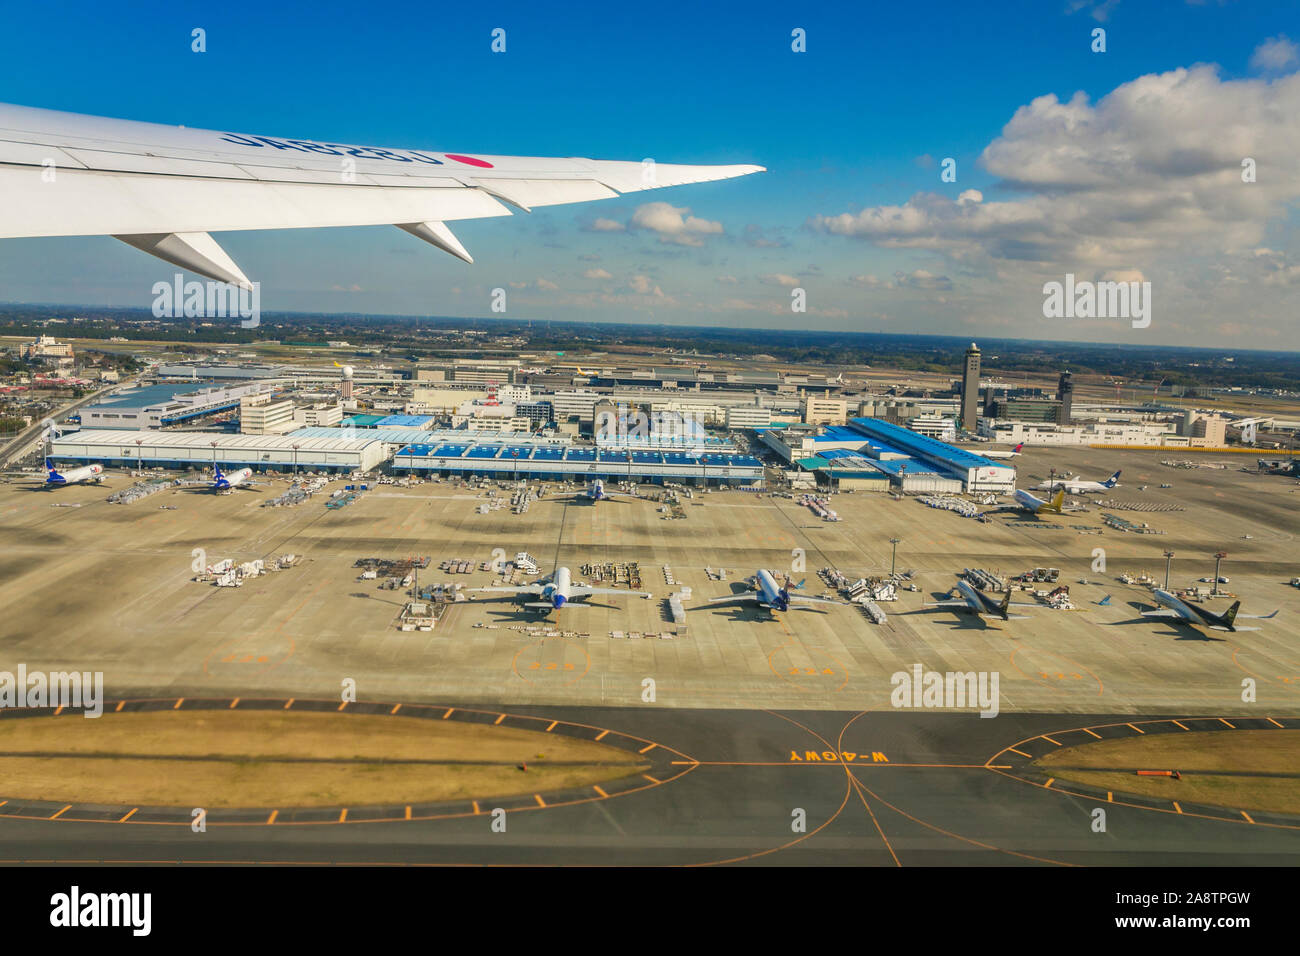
{"x": 469, "y": 161}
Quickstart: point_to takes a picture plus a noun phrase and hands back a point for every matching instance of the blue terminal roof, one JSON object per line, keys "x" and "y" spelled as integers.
{"x": 833, "y": 433}
{"x": 908, "y": 442}
{"x": 581, "y": 454}
{"x": 543, "y": 453}
{"x": 483, "y": 451}
{"x": 403, "y": 421}
{"x": 910, "y": 468}
{"x": 152, "y": 395}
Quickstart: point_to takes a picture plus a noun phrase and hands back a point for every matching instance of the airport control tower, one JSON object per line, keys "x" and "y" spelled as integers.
{"x": 1065, "y": 394}
{"x": 970, "y": 389}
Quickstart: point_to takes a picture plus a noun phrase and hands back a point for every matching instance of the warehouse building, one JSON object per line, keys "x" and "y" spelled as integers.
{"x": 201, "y": 449}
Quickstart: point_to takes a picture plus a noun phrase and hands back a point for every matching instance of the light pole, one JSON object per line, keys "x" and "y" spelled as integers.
{"x": 893, "y": 554}
{"x": 139, "y": 461}
{"x": 296, "y": 446}
{"x": 1218, "y": 557}
{"x": 1169, "y": 557}
{"x": 214, "y": 456}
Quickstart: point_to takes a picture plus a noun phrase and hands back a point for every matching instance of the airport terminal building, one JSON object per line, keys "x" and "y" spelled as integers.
{"x": 912, "y": 461}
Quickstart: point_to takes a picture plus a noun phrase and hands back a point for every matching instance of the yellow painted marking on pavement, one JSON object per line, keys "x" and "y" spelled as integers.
{"x": 475, "y": 802}
{"x": 1273, "y": 722}
{"x": 1226, "y": 722}
{"x": 647, "y": 748}
{"x": 1180, "y": 725}
{"x": 538, "y": 798}
{"x": 450, "y": 711}
{"x": 289, "y": 703}
{"x": 599, "y": 791}
{"x": 271, "y": 818}
{"x": 61, "y": 812}
{"x": 1177, "y": 807}
{"x": 408, "y": 813}
{"x": 343, "y": 815}
{"x": 1110, "y": 798}
{"x": 498, "y": 720}
{"x": 58, "y": 710}
{"x": 1021, "y": 752}
{"x": 1247, "y": 816}
{"x": 179, "y": 701}
{"x": 601, "y": 734}
{"x": 120, "y": 705}
{"x": 650, "y": 778}
{"x": 396, "y": 708}
{"x": 342, "y": 705}
{"x": 1138, "y": 729}
{"x": 1050, "y": 781}
{"x": 1087, "y": 731}
{"x": 552, "y": 727}
{"x": 129, "y": 815}
{"x": 1050, "y": 740}
{"x": 234, "y": 703}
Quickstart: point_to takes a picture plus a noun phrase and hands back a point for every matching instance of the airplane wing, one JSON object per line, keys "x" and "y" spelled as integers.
{"x": 751, "y": 598}
{"x": 162, "y": 189}
{"x": 946, "y": 604}
{"x": 1171, "y": 615}
{"x": 1259, "y": 617}
{"x": 515, "y": 589}
{"x": 579, "y": 590}
{"x": 800, "y": 599}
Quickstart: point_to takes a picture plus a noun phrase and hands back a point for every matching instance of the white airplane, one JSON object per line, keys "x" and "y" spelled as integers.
{"x": 73, "y": 476}
{"x": 974, "y": 601}
{"x": 767, "y": 593}
{"x": 1031, "y": 503}
{"x": 1013, "y": 453}
{"x": 229, "y": 482}
{"x": 1181, "y": 612}
{"x": 163, "y": 189}
{"x": 1078, "y": 487}
{"x": 559, "y": 591}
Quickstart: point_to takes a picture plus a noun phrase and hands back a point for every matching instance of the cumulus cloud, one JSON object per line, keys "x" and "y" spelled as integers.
{"x": 1154, "y": 166}
{"x": 644, "y": 285}
{"x": 780, "y": 278}
{"x": 726, "y": 280}
{"x": 674, "y": 223}
{"x": 608, "y": 225}
{"x": 1275, "y": 54}
{"x": 596, "y": 274}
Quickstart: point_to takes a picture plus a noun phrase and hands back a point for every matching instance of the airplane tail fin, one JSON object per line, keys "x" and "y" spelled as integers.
{"x": 1057, "y": 501}
{"x": 216, "y": 470}
{"x": 1105, "y": 602}
{"x": 49, "y": 466}
{"x": 1112, "y": 480}
{"x": 1016, "y": 450}
{"x": 1230, "y": 614}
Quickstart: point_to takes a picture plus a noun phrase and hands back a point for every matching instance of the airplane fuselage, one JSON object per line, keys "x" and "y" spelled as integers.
{"x": 73, "y": 476}
{"x": 225, "y": 482}
{"x": 773, "y": 595}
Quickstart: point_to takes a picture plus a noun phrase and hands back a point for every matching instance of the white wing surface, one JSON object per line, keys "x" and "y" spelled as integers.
{"x": 163, "y": 188}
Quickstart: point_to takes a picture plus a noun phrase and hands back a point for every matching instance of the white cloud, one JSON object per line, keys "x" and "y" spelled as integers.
{"x": 644, "y": 285}
{"x": 780, "y": 278}
{"x": 674, "y": 223}
{"x": 608, "y": 225}
{"x": 596, "y": 274}
{"x": 1134, "y": 175}
{"x": 1275, "y": 54}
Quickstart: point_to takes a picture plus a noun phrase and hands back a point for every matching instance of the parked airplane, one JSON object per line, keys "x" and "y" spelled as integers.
{"x": 767, "y": 593}
{"x": 558, "y": 591}
{"x": 974, "y": 601}
{"x": 1013, "y": 453}
{"x": 164, "y": 189}
{"x": 1078, "y": 487}
{"x": 1031, "y": 503}
{"x": 55, "y": 478}
{"x": 1180, "y": 612}
{"x": 224, "y": 482}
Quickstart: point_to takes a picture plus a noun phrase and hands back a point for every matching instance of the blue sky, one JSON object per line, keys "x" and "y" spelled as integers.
{"x": 858, "y": 122}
